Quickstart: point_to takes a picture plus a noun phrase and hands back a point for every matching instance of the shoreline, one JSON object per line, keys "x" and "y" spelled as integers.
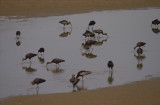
{"x": 144, "y": 92}
{"x": 41, "y": 8}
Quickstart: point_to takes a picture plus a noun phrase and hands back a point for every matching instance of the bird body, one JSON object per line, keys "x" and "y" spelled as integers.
{"x": 83, "y": 73}
{"x": 37, "y": 81}
{"x": 65, "y": 22}
{"x": 41, "y": 50}
{"x": 139, "y": 44}
{"x": 74, "y": 80}
{"x": 56, "y": 61}
{"x": 155, "y": 22}
{"x": 99, "y": 31}
{"x": 18, "y": 33}
{"x": 29, "y": 56}
{"x": 110, "y": 65}
{"x": 89, "y": 34}
{"x": 91, "y": 23}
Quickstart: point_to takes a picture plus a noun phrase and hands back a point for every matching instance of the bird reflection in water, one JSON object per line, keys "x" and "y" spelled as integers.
{"x": 110, "y": 77}
{"x": 64, "y": 23}
{"x": 140, "y": 57}
{"x": 89, "y": 54}
{"x": 29, "y": 69}
{"x": 66, "y": 33}
{"x": 55, "y": 70}
{"x": 156, "y": 30}
{"x": 18, "y": 41}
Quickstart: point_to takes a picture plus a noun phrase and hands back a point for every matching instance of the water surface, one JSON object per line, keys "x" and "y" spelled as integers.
{"x": 124, "y": 28}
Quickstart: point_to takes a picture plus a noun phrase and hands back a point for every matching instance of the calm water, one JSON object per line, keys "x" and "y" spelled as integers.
{"x": 124, "y": 28}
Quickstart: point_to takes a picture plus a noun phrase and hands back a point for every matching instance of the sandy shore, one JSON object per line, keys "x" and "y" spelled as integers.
{"x": 36, "y": 8}
{"x": 139, "y": 93}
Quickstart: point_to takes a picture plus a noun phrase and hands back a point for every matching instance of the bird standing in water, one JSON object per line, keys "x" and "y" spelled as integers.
{"x": 83, "y": 73}
{"x": 37, "y": 81}
{"x": 139, "y": 51}
{"x": 65, "y": 22}
{"x": 74, "y": 80}
{"x": 41, "y": 50}
{"x": 91, "y": 23}
{"x": 56, "y": 61}
{"x": 18, "y": 33}
{"x": 110, "y": 65}
{"x": 29, "y": 56}
{"x": 139, "y": 44}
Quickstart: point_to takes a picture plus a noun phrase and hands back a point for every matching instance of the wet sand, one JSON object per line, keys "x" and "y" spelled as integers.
{"x": 32, "y": 8}
{"x": 138, "y": 93}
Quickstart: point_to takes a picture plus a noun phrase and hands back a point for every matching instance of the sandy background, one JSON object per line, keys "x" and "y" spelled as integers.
{"x": 139, "y": 93}
{"x": 34, "y": 8}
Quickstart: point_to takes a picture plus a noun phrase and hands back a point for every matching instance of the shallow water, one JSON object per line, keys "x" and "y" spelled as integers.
{"x": 124, "y": 28}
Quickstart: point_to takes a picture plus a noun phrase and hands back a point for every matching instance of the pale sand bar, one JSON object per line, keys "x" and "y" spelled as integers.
{"x": 36, "y": 8}
{"x": 139, "y": 93}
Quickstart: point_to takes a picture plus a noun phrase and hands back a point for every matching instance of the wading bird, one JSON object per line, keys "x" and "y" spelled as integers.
{"x": 41, "y": 50}
{"x": 98, "y": 31}
{"x": 110, "y": 65}
{"x": 74, "y": 80}
{"x": 65, "y": 22}
{"x": 29, "y": 56}
{"x": 56, "y": 61}
{"x": 156, "y": 22}
{"x": 139, "y": 44}
{"x": 91, "y": 23}
{"x": 37, "y": 81}
{"x": 89, "y": 34}
{"x": 83, "y": 73}
{"x": 18, "y": 33}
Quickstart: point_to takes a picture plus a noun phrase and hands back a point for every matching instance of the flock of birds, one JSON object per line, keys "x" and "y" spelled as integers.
{"x": 75, "y": 78}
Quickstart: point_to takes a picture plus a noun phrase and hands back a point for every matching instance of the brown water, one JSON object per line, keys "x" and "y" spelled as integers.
{"x": 124, "y": 28}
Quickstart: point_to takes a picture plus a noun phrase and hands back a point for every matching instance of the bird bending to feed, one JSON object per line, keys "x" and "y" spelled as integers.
{"x": 74, "y": 80}
{"x": 139, "y": 44}
{"x": 110, "y": 65}
{"x": 98, "y": 31}
{"x": 56, "y": 61}
{"x": 155, "y": 22}
{"x": 139, "y": 51}
{"x": 29, "y": 56}
{"x": 91, "y": 23}
{"x": 89, "y": 34}
{"x": 83, "y": 73}
{"x": 38, "y": 81}
{"x": 65, "y": 22}
{"x": 41, "y": 50}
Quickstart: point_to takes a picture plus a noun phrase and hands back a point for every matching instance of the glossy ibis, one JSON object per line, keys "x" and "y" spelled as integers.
{"x": 156, "y": 22}
{"x": 41, "y": 50}
{"x": 98, "y": 31}
{"x": 88, "y": 34}
{"x": 65, "y": 22}
{"x": 56, "y": 61}
{"x": 83, "y": 73}
{"x": 139, "y": 44}
{"x": 91, "y": 23}
{"x": 37, "y": 81}
{"x": 74, "y": 80}
{"x": 29, "y": 56}
{"x": 110, "y": 65}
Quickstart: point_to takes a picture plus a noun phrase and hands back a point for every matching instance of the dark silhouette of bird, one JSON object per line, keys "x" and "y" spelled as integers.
{"x": 139, "y": 44}
{"x": 98, "y": 31}
{"x": 110, "y": 65}
{"x": 56, "y": 61}
{"x": 38, "y": 81}
{"x": 91, "y": 23}
{"x": 74, "y": 80}
{"x": 88, "y": 34}
{"x": 65, "y": 22}
{"x": 41, "y": 50}
{"x": 83, "y": 73}
{"x": 156, "y": 22}
{"x": 139, "y": 51}
{"x": 18, "y": 33}
{"x": 29, "y": 56}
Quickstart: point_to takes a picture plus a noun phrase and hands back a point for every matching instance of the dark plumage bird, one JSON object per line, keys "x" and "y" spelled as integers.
{"x": 56, "y": 61}
{"x": 18, "y": 33}
{"x": 65, "y": 22}
{"x": 98, "y": 31}
{"x": 29, "y": 56}
{"x": 41, "y": 50}
{"x": 110, "y": 65}
{"x": 139, "y": 44}
{"x": 155, "y": 22}
{"x": 74, "y": 80}
{"x": 37, "y": 81}
{"x": 89, "y": 34}
{"x": 139, "y": 51}
{"x": 83, "y": 73}
{"x": 91, "y": 23}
